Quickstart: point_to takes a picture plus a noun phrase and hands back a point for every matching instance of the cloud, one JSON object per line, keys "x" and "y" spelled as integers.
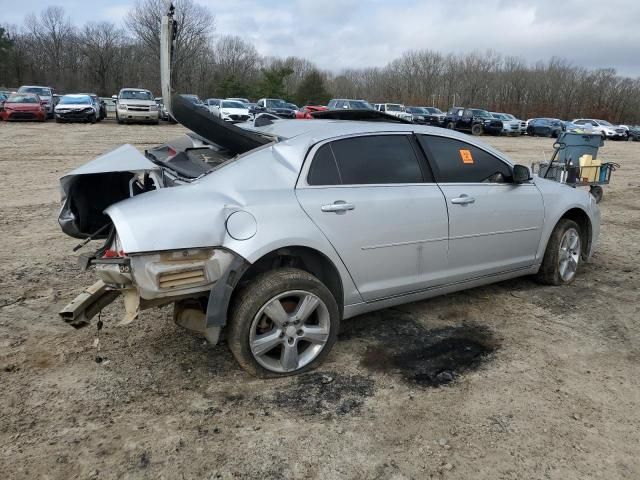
{"x": 337, "y": 34}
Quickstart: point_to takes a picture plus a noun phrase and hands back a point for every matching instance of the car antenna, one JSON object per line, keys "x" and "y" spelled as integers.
{"x": 90, "y": 237}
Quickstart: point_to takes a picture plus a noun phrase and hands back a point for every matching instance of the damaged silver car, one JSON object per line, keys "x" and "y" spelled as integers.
{"x": 279, "y": 229}
{"x": 319, "y": 221}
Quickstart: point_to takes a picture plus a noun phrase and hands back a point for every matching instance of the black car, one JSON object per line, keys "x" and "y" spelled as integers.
{"x": 545, "y": 127}
{"x": 277, "y": 106}
{"x": 474, "y": 120}
{"x": 634, "y": 133}
{"x": 418, "y": 114}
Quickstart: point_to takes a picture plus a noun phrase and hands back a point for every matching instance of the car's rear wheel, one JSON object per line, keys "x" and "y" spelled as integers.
{"x": 284, "y": 322}
{"x": 476, "y": 129}
{"x": 563, "y": 254}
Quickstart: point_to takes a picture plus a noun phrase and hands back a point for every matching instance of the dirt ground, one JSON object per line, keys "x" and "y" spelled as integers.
{"x": 509, "y": 381}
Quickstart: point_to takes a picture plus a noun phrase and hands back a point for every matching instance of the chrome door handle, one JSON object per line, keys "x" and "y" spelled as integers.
{"x": 463, "y": 200}
{"x": 339, "y": 206}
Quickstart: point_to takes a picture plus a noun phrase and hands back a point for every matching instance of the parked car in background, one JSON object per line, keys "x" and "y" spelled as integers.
{"x": 572, "y": 127}
{"x": 196, "y": 100}
{"x": 45, "y": 94}
{"x": 136, "y": 105}
{"x": 100, "y": 107}
{"x": 349, "y": 104}
{"x": 212, "y": 104}
{"x": 3, "y": 97}
{"x": 76, "y": 108}
{"x": 109, "y": 105}
{"x": 395, "y": 109}
{"x": 292, "y": 106}
{"x": 472, "y": 120}
{"x": 23, "y": 106}
{"x": 545, "y": 127}
{"x": 242, "y": 100}
{"x": 634, "y": 133}
{"x": 418, "y": 115}
{"x": 306, "y": 111}
{"x": 231, "y": 111}
{"x": 277, "y": 106}
{"x": 255, "y": 109}
{"x": 510, "y": 125}
{"x": 279, "y": 244}
{"x": 435, "y": 116}
{"x": 604, "y": 128}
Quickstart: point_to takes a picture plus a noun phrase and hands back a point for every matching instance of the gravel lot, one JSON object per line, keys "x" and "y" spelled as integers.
{"x": 545, "y": 380}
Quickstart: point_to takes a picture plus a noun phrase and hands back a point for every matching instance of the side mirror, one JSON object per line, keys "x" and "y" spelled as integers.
{"x": 521, "y": 174}
{"x": 115, "y": 97}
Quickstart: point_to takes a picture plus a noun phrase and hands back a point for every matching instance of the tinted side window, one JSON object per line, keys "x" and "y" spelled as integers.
{"x": 455, "y": 161}
{"x": 376, "y": 159}
{"x": 323, "y": 170}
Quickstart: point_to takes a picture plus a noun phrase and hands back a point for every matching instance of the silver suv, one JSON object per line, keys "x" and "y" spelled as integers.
{"x": 279, "y": 232}
{"x": 136, "y": 105}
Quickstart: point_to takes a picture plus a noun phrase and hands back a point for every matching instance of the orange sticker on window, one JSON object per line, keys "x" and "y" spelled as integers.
{"x": 466, "y": 156}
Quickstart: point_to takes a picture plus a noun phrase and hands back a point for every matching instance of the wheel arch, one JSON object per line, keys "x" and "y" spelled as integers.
{"x": 305, "y": 258}
{"x": 581, "y": 217}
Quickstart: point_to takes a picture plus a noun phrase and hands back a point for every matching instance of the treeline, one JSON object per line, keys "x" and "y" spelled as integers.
{"x": 102, "y": 57}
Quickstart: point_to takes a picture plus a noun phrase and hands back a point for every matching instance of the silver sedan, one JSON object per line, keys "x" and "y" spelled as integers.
{"x": 283, "y": 228}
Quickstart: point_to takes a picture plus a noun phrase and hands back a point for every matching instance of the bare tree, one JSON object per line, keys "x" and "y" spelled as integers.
{"x": 101, "y": 45}
{"x": 193, "y": 39}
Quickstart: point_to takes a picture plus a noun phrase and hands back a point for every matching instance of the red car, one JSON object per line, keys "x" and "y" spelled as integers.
{"x": 305, "y": 112}
{"x": 23, "y": 106}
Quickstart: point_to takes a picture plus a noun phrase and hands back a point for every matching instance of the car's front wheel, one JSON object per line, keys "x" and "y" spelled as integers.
{"x": 563, "y": 254}
{"x": 284, "y": 322}
{"x": 477, "y": 129}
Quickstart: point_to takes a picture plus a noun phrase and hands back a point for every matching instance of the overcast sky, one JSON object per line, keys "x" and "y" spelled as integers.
{"x": 356, "y": 33}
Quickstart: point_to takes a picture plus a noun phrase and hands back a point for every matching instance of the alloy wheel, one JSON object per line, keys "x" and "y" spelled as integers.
{"x": 289, "y": 331}
{"x": 569, "y": 254}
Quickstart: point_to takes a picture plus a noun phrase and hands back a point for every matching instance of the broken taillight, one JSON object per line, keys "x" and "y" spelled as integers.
{"x": 113, "y": 254}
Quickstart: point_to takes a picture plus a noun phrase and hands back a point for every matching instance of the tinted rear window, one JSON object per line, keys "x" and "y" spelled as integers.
{"x": 379, "y": 159}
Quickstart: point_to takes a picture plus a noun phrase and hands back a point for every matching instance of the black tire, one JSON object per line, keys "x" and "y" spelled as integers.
{"x": 476, "y": 129}
{"x": 597, "y": 192}
{"x": 92, "y": 118}
{"x": 549, "y": 273}
{"x": 58, "y": 120}
{"x": 451, "y": 126}
{"x": 248, "y": 302}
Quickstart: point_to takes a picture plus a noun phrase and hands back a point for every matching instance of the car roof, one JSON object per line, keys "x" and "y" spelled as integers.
{"x": 310, "y": 132}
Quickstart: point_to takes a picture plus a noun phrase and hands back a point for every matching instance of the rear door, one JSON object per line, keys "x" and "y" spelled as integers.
{"x": 374, "y": 201}
{"x": 494, "y": 224}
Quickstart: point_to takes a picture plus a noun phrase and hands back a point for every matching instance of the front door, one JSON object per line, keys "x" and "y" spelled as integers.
{"x": 494, "y": 225}
{"x": 373, "y": 200}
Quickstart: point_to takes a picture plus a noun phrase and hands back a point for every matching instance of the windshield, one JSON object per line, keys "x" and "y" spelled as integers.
{"x": 394, "y": 107}
{"x": 135, "y": 95}
{"x": 481, "y": 113}
{"x": 74, "y": 100}
{"x": 17, "y": 98}
{"x": 605, "y": 123}
{"x": 417, "y": 110}
{"x": 499, "y": 116}
{"x": 434, "y": 110}
{"x": 271, "y": 103}
{"x": 360, "y": 105}
{"x": 508, "y": 116}
{"x": 43, "y": 92}
{"x": 232, "y": 104}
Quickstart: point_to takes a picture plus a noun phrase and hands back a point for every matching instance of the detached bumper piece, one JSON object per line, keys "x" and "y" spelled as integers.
{"x": 88, "y": 304}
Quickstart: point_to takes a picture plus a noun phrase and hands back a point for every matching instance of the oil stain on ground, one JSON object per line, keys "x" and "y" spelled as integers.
{"x": 325, "y": 393}
{"x": 421, "y": 356}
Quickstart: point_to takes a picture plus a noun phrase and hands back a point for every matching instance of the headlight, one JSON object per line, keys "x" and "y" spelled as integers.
{"x": 122, "y": 106}
{"x": 153, "y": 108}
